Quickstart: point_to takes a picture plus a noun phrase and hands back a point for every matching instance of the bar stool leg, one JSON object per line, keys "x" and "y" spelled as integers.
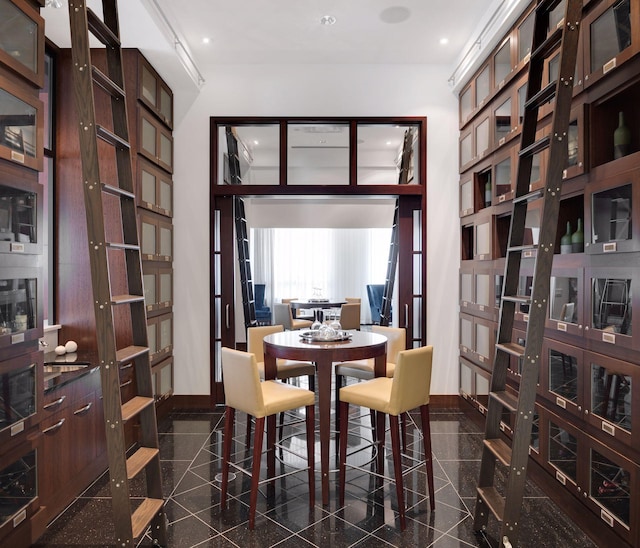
{"x": 255, "y": 470}
{"x": 397, "y": 467}
{"x": 426, "y": 436}
{"x": 344, "y": 409}
{"x": 229, "y": 417}
{"x": 311, "y": 452}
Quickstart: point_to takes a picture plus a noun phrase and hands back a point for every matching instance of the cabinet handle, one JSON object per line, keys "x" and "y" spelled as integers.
{"x": 84, "y": 409}
{"x": 53, "y": 428}
{"x": 226, "y": 313}
{"x": 406, "y": 315}
{"x": 126, "y": 383}
{"x": 127, "y": 366}
{"x": 55, "y": 403}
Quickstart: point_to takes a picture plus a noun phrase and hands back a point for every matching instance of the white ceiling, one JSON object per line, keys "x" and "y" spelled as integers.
{"x": 289, "y": 31}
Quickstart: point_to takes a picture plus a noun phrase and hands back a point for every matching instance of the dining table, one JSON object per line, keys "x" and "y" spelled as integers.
{"x": 291, "y": 345}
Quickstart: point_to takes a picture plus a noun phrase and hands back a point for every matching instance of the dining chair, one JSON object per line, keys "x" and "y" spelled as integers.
{"x": 408, "y": 389}
{"x": 262, "y": 400}
{"x": 283, "y": 315}
{"x": 350, "y": 316}
{"x": 353, "y": 300}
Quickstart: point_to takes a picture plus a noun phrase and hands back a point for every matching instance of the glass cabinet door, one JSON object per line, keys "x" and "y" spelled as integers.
{"x": 22, "y": 40}
{"x": 21, "y": 116}
{"x": 561, "y": 375}
{"x": 502, "y": 64}
{"x": 609, "y": 393}
{"x": 563, "y": 451}
{"x": 483, "y": 86}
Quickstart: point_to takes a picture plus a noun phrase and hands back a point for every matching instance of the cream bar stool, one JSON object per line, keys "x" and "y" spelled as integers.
{"x": 286, "y": 369}
{"x": 363, "y": 369}
{"x": 407, "y": 390}
{"x": 243, "y": 391}
{"x": 283, "y": 315}
{"x": 350, "y": 316}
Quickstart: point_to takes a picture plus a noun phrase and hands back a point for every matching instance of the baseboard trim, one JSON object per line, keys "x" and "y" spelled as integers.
{"x": 183, "y": 402}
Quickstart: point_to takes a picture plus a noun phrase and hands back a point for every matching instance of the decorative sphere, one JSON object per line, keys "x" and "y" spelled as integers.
{"x": 71, "y": 346}
{"x": 60, "y": 350}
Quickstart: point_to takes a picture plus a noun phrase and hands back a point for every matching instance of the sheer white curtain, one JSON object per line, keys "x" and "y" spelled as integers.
{"x": 339, "y": 262}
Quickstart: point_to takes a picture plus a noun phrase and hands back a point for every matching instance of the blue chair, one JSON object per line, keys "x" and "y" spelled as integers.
{"x": 375, "y": 293}
{"x": 263, "y": 313}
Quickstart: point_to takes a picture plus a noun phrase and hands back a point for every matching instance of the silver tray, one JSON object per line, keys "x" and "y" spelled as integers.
{"x": 314, "y": 336}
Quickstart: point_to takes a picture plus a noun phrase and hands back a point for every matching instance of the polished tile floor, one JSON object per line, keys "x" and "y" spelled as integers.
{"x": 191, "y": 445}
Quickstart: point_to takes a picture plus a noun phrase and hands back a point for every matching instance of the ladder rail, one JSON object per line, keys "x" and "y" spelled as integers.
{"x": 507, "y": 508}
{"x": 128, "y": 523}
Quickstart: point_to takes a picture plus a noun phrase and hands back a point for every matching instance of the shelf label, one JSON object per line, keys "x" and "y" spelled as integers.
{"x": 17, "y": 247}
{"x": 502, "y": 141}
{"x": 17, "y": 428}
{"x": 528, "y": 254}
{"x": 17, "y": 338}
{"x": 465, "y": 349}
{"x": 561, "y": 402}
{"x": 17, "y": 157}
{"x": 606, "y": 517}
{"x": 525, "y": 317}
{"x": 482, "y": 408}
{"x": 608, "y": 428}
{"x": 20, "y": 517}
{"x": 562, "y": 326}
{"x": 464, "y": 303}
{"x": 481, "y": 308}
{"x": 481, "y": 358}
{"x": 609, "y": 338}
{"x": 609, "y": 66}
{"x": 609, "y": 247}
{"x": 561, "y": 478}
{"x": 502, "y": 198}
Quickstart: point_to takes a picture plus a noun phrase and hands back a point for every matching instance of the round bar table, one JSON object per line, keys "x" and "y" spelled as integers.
{"x": 289, "y": 345}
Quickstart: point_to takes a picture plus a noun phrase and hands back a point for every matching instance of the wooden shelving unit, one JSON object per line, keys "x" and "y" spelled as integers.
{"x": 585, "y": 437}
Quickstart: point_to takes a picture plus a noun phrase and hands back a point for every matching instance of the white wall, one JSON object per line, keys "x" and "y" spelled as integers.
{"x": 314, "y": 90}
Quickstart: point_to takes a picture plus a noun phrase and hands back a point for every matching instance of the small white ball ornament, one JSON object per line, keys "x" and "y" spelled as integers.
{"x": 71, "y": 346}
{"x": 60, "y": 350}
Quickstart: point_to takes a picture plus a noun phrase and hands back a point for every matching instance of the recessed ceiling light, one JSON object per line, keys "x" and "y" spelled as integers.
{"x": 256, "y": 142}
{"x": 328, "y": 20}
{"x": 206, "y": 40}
{"x": 389, "y": 143}
{"x": 444, "y": 41}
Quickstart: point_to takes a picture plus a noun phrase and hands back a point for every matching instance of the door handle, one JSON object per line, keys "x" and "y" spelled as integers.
{"x": 54, "y": 403}
{"x": 226, "y": 313}
{"x": 406, "y": 315}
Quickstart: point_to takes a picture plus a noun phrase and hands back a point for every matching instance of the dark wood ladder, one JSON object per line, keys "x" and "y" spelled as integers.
{"x": 246, "y": 279}
{"x": 392, "y": 262}
{"x": 506, "y": 507}
{"x": 107, "y": 259}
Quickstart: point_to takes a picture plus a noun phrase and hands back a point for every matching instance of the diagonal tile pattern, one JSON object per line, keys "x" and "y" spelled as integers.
{"x": 191, "y": 445}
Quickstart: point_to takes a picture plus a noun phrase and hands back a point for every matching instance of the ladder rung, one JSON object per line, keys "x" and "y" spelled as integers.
{"x": 99, "y": 29}
{"x": 493, "y": 500}
{"x": 134, "y": 406}
{"x": 549, "y": 45}
{"x": 506, "y": 399}
{"x": 139, "y": 460}
{"x": 107, "y": 84}
{"x": 543, "y": 96}
{"x": 520, "y": 299}
{"x": 129, "y": 353}
{"x": 117, "y": 191}
{"x": 529, "y": 196}
{"x": 111, "y": 138}
{"x": 522, "y": 248}
{"x": 143, "y": 515}
{"x": 126, "y": 299}
{"x": 535, "y": 147}
{"x": 500, "y": 450}
{"x": 512, "y": 348}
{"x": 131, "y": 247}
